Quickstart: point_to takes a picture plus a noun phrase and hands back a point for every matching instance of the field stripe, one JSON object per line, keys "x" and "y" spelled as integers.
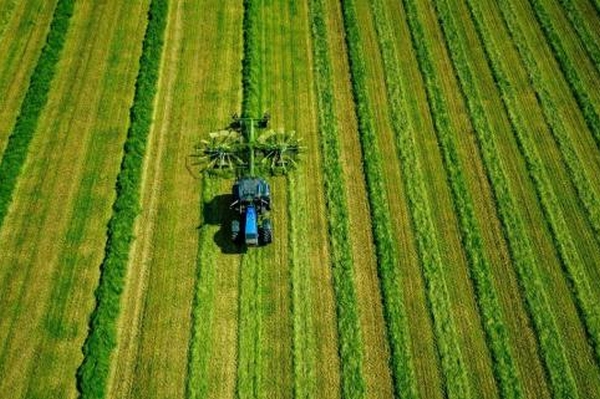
{"x": 550, "y": 341}
{"x": 582, "y": 77}
{"x": 93, "y": 373}
{"x": 581, "y": 24}
{"x": 7, "y": 8}
{"x": 35, "y": 100}
{"x": 21, "y": 43}
{"x": 472, "y": 240}
{"x": 547, "y": 196}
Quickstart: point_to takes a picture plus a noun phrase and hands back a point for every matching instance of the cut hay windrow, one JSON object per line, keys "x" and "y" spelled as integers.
{"x": 35, "y": 100}
{"x": 548, "y": 198}
{"x": 569, "y": 69}
{"x": 349, "y": 334}
{"x": 92, "y": 375}
{"x": 480, "y": 269}
{"x": 588, "y": 38}
{"x": 533, "y": 287}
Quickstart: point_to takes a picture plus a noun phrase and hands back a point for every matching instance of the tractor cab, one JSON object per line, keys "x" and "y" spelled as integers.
{"x": 252, "y": 199}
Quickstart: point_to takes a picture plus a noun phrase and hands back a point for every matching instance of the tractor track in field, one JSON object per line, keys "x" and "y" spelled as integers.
{"x": 140, "y": 253}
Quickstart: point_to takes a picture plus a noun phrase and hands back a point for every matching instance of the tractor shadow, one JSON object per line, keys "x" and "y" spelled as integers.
{"x": 217, "y": 213}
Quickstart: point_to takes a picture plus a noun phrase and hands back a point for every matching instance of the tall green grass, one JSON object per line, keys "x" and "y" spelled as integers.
{"x": 92, "y": 375}
{"x": 34, "y": 102}
{"x": 480, "y": 269}
{"x": 251, "y": 62}
{"x": 530, "y": 280}
{"x": 547, "y": 197}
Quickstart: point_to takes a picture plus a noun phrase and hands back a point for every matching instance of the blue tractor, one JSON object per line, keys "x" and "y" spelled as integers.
{"x": 239, "y": 150}
{"x": 252, "y": 201}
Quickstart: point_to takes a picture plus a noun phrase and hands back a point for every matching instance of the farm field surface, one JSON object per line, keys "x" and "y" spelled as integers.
{"x": 437, "y": 236}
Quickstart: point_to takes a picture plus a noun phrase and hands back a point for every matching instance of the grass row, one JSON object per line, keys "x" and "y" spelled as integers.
{"x": 251, "y": 62}
{"x": 93, "y": 373}
{"x": 34, "y": 102}
{"x": 588, "y": 39}
{"x": 480, "y": 268}
{"x": 577, "y": 172}
{"x": 569, "y": 70}
{"x": 529, "y": 277}
{"x": 349, "y": 335}
{"x": 547, "y": 197}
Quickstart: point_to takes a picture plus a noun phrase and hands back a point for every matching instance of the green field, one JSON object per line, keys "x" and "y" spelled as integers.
{"x": 440, "y": 237}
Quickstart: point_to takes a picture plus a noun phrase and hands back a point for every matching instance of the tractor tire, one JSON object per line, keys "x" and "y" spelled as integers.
{"x": 267, "y": 237}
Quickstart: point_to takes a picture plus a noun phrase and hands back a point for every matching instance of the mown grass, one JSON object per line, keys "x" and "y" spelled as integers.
{"x": 34, "y": 102}
{"x": 349, "y": 334}
{"x": 548, "y": 198}
{"x": 493, "y": 321}
{"x": 533, "y": 287}
{"x": 93, "y": 373}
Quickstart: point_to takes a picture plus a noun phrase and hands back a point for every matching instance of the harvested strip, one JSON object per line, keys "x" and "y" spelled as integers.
{"x": 93, "y": 373}
{"x": 17, "y": 147}
{"x": 487, "y": 297}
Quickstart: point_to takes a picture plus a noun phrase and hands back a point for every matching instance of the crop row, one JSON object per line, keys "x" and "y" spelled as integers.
{"x": 93, "y": 373}
{"x": 587, "y": 38}
{"x": 350, "y": 341}
{"x": 576, "y": 170}
{"x": 34, "y": 102}
{"x": 520, "y": 245}
{"x": 480, "y": 269}
{"x": 579, "y": 89}
{"x": 545, "y": 194}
